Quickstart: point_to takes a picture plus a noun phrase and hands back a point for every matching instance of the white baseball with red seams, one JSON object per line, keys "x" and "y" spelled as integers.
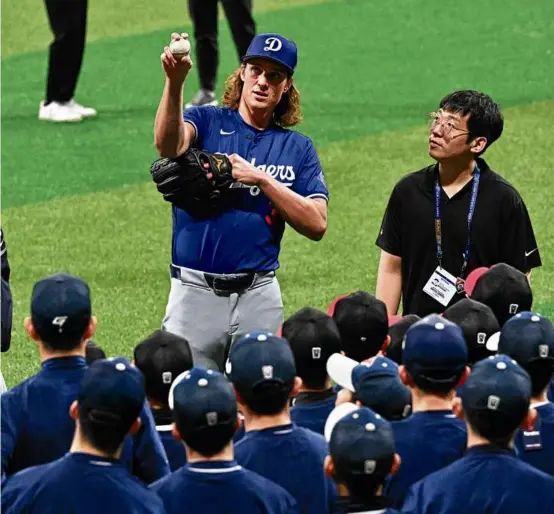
{"x": 180, "y": 47}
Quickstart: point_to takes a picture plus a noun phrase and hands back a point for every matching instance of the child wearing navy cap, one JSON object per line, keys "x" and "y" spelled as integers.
{"x": 262, "y": 370}
{"x": 435, "y": 362}
{"x": 362, "y": 454}
{"x": 212, "y": 482}
{"x": 90, "y": 478}
{"x": 489, "y": 478}
{"x": 529, "y": 339}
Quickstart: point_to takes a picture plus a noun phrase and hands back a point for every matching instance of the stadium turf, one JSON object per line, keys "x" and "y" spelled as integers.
{"x": 78, "y": 198}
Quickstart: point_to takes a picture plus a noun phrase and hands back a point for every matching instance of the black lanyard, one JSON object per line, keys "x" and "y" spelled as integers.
{"x": 471, "y": 211}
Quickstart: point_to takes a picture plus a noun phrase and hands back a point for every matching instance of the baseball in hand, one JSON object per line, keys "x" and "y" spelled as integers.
{"x": 179, "y": 47}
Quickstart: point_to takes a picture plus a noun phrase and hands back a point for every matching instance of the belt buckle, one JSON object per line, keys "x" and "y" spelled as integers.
{"x": 216, "y": 290}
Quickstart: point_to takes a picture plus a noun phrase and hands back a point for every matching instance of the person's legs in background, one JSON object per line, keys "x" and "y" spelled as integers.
{"x": 68, "y": 21}
{"x": 203, "y": 14}
{"x": 241, "y": 23}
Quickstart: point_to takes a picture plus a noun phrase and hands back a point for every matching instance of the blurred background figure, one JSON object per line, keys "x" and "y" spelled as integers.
{"x": 7, "y": 311}
{"x": 68, "y": 21}
{"x": 203, "y": 14}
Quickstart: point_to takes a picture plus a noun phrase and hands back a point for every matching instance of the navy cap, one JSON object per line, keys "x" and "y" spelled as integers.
{"x": 435, "y": 352}
{"x": 527, "y": 337}
{"x": 202, "y": 399}
{"x": 375, "y": 383}
{"x": 313, "y": 337}
{"x": 500, "y": 389}
{"x": 361, "y": 443}
{"x": 61, "y": 308}
{"x": 363, "y": 324}
{"x": 479, "y": 325}
{"x": 112, "y": 393}
{"x": 275, "y": 47}
{"x": 505, "y": 289}
{"x": 162, "y": 357}
{"x": 260, "y": 357}
{"x": 397, "y": 331}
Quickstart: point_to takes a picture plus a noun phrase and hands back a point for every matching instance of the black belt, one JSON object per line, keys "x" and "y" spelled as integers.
{"x": 223, "y": 284}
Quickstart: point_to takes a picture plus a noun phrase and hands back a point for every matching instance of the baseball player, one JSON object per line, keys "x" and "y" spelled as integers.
{"x": 489, "y": 478}
{"x": 435, "y": 362}
{"x": 223, "y": 267}
{"x": 205, "y": 413}
{"x": 262, "y": 370}
{"x": 361, "y": 445}
{"x": 313, "y": 337}
{"x": 162, "y": 357}
{"x": 36, "y": 427}
{"x": 90, "y": 478}
{"x": 529, "y": 339}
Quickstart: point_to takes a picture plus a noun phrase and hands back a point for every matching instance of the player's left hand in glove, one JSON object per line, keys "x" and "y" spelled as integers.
{"x": 197, "y": 182}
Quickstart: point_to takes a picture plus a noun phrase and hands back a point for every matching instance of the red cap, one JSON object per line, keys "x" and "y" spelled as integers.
{"x": 473, "y": 277}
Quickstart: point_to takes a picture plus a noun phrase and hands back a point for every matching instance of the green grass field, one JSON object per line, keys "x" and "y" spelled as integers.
{"x": 79, "y": 199}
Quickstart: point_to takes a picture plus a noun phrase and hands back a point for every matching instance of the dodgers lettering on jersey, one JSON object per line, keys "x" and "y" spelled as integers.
{"x": 248, "y": 236}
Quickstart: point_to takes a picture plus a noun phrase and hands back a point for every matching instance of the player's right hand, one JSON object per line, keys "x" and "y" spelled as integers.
{"x": 176, "y": 68}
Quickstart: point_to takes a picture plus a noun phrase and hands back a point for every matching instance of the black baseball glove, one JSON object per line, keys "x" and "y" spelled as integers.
{"x": 183, "y": 181}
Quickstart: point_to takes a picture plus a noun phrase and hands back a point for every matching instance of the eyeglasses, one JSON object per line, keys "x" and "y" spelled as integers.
{"x": 446, "y": 124}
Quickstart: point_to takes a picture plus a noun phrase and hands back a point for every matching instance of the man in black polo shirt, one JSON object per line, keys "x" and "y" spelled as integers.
{"x": 447, "y": 219}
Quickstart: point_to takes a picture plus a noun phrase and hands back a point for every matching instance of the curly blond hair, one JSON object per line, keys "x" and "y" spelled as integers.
{"x": 287, "y": 113}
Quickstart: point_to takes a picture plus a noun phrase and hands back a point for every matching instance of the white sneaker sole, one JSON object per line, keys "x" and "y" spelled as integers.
{"x": 66, "y": 120}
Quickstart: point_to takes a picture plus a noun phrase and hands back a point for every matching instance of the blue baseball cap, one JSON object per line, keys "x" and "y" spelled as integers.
{"x": 260, "y": 357}
{"x": 361, "y": 442}
{"x": 500, "y": 389}
{"x": 375, "y": 382}
{"x": 435, "y": 353}
{"x": 112, "y": 393}
{"x": 201, "y": 400}
{"x": 527, "y": 337}
{"x": 60, "y": 308}
{"x": 274, "y": 47}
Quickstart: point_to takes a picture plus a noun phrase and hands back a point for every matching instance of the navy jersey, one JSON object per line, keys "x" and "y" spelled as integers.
{"x": 551, "y": 392}
{"x": 221, "y": 487}
{"x": 37, "y": 428}
{"x": 248, "y": 236}
{"x": 541, "y": 456}
{"x": 426, "y": 442}
{"x": 78, "y": 483}
{"x": 292, "y": 457}
{"x": 313, "y": 415}
{"x": 378, "y": 505}
{"x": 485, "y": 481}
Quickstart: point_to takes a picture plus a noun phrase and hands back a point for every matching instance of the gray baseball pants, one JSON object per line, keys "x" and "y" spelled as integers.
{"x": 212, "y": 319}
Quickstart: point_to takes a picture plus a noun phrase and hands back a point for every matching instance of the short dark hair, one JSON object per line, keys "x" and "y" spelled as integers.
{"x": 93, "y": 352}
{"x": 442, "y": 387}
{"x": 541, "y": 373}
{"x": 493, "y": 426}
{"x": 209, "y": 440}
{"x": 102, "y": 430}
{"x": 361, "y": 488}
{"x": 485, "y": 118}
{"x": 266, "y": 398}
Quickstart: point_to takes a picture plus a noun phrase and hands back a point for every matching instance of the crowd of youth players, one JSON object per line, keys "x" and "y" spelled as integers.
{"x": 344, "y": 411}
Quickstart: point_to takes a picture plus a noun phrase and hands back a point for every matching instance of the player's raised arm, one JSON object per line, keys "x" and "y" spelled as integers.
{"x": 171, "y": 135}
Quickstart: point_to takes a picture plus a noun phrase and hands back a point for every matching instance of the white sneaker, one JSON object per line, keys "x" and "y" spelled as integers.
{"x": 85, "y": 112}
{"x": 59, "y": 113}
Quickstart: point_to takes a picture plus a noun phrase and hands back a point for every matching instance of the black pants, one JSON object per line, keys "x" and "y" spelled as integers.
{"x": 204, "y": 17}
{"x": 68, "y": 21}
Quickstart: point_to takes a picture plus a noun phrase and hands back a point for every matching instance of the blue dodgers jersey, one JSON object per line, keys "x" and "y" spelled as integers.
{"x": 486, "y": 480}
{"x": 313, "y": 415}
{"x": 539, "y": 456}
{"x": 81, "y": 483}
{"x": 37, "y": 428}
{"x": 247, "y": 237}
{"x": 292, "y": 457}
{"x": 175, "y": 450}
{"x": 221, "y": 487}
{"x": 426, "y": 442}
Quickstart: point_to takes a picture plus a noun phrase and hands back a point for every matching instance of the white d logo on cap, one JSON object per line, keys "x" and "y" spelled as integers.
{"x": 273, "y": 44}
